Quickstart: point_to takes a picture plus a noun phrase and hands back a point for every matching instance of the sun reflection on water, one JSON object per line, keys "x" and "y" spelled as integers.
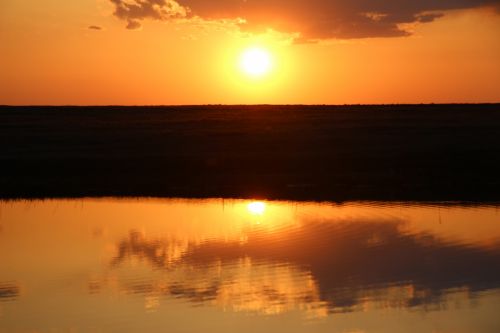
{"x": 256, "y": 207}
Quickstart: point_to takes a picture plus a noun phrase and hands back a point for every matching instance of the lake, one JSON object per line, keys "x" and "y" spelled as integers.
{"x": 220, "y": 265}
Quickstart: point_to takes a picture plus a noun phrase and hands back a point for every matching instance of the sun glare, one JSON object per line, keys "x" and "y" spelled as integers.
{"x": 256, "y": 207}
{"x": 256, "y": 62}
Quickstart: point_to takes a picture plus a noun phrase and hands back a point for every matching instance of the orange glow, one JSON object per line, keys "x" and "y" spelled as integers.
{"x": 64, "y": 62}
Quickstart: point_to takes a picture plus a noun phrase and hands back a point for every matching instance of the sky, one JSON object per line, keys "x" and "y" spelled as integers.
{"x": 143, "y": 52}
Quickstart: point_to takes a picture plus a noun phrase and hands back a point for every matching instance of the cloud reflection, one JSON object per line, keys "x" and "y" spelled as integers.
{"x": 160, "y": 253}
{"x": 9, "y": 291}
{"x": 322, "y": 266}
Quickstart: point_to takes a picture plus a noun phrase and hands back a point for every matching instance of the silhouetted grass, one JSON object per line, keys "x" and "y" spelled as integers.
{"x": 394, "y": 152}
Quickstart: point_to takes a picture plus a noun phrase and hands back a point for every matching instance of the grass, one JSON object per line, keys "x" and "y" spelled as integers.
{"x": 393, "y": 152}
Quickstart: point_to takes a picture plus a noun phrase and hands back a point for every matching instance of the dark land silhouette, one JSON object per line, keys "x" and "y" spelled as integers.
{"x": 338, "y": 153}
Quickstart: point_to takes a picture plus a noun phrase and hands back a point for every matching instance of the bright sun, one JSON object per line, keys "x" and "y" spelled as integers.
{"x": 256, "y": 62}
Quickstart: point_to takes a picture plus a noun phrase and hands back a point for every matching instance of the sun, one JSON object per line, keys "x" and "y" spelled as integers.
{"x": 256, "y": 62}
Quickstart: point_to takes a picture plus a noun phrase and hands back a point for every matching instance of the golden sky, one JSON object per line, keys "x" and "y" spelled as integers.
{"x": 188, "y": 52}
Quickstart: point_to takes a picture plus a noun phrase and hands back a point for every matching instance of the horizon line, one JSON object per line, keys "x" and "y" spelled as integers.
{"x": 259, "y": 104}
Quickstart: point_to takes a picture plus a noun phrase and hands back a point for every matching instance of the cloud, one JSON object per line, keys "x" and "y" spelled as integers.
{"x": 311, "y": 19}
{"x": 94, "y": 27}
{"x": 134, "y": 11}
{"x": 133, "y": 25}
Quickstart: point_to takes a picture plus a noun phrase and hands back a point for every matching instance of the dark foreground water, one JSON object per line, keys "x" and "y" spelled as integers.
{"x": 146, "y": 265}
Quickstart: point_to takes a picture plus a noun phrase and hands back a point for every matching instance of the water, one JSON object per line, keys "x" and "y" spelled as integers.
{"x": 147, "y": 265}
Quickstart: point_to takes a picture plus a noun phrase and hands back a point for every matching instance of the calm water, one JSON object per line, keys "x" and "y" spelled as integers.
{"x": 150, "y": 265}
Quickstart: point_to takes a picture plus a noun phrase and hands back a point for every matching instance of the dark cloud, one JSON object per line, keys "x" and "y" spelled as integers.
{"x": 311, "y": 19}
{"x": 321, "y": 19}
{"x": 94, "y": 27}
{"x": 425, "y": 18}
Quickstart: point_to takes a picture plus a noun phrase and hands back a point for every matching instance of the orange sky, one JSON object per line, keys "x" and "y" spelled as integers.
{"x": 49, "y": 55}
